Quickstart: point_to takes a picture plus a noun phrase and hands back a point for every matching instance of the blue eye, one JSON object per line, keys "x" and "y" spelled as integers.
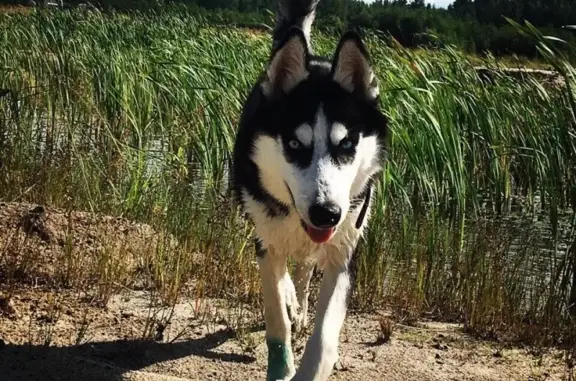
{"x": 294, "y": 144}
{"x": 346, "y": 144}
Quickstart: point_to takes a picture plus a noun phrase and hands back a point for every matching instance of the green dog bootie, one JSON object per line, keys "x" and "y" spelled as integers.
{"x": 278, "y": 357}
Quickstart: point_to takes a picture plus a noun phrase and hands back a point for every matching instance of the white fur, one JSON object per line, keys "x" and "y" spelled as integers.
{"x": 321, "y": 352}
{"x": 305, "y": 135}
{"x": 322, "y": 181}
{"x": 307, "y": 27}
{"x": 338, "y": 132}
{"x": 302, "y": 275}
{"x": 323, "y": 64}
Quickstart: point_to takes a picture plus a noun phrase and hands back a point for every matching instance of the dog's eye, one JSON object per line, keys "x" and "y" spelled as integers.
{"x": 294, "y": 144}
{"x": 346, "y": 144}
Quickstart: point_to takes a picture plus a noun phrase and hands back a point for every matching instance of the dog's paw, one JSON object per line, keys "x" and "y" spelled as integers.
{"x": 293, "y": 309}
{"x": 297, "y": 317}
{"x": 299, "y": 322}
{"x": 295, "y": 313}
{"x": 292, "y": 304}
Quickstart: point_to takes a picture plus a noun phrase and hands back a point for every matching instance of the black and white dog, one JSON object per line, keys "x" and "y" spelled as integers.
{"x": 310, "y": 142}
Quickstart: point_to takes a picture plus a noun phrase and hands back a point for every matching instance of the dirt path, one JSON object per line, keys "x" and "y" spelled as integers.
{"x": 109, "y": 349}
{"x": 54, "y": 333}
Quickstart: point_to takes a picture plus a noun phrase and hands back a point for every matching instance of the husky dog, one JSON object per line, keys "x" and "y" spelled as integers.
{"x": 310, "y": 142}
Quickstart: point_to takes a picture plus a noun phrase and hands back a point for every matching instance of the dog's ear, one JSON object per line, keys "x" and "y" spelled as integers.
{"x": 288, "y": 65}
{"x": 351, "y": 68}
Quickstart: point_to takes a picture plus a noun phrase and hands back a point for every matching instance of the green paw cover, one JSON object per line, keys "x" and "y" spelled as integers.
{"x": 277, "y": 360}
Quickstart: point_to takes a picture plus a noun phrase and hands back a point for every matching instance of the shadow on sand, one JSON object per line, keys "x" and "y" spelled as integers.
{"x": 105, "y": 361}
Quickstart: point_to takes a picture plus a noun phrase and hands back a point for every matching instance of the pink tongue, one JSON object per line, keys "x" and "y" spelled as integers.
{"x": 319, "y": 235}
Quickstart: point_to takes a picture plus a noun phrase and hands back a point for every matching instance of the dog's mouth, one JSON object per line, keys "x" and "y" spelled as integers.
{"x": 318, "y": 235}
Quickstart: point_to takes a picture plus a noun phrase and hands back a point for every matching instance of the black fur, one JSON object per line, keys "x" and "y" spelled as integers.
{"x": 260, "y": 249}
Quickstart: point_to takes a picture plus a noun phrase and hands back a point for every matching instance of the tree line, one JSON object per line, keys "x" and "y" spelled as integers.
{"x": 476, "y": 26}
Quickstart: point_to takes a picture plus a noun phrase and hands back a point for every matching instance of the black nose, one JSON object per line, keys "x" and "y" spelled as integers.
{"x": 325, "y": 215}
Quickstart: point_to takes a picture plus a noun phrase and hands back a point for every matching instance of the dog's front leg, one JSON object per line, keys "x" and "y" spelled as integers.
{"x": 280, "y": 358}
{"x": 322, "y": 348}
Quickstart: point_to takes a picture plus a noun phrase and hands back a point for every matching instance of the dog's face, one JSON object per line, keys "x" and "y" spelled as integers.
{"x": 324, "y": 134}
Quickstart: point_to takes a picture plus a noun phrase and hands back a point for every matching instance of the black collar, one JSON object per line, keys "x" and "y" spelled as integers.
{"x": 362, "y": 215}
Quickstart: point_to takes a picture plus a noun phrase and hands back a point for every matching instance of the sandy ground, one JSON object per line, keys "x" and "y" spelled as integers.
{"x": 59, "y": 335}
{"x": 189, "y": 349}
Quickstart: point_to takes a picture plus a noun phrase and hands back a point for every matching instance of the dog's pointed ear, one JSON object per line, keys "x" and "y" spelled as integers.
{"x": 351, "y": 68}
{"x": 288, "y": 65}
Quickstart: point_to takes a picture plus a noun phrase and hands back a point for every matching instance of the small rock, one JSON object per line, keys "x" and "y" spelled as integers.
{"x": 340, "y": 367}
{"x": 299, "y": 349}
{"x": 46, "y": 318}
{"x": 6, "y": 307}
{"x": 373, "y": 355}
{"x": 127, "y": 315}
{"x": 440, "y": 346}
{"x": 39, "y": 210}
{"x": 160, "y": 328}
{"x": 32, "y": 223}
{"x": 439, "y": 359}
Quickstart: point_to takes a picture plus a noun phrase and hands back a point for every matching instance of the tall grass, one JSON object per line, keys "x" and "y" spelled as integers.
{"x": 135, "y": 116}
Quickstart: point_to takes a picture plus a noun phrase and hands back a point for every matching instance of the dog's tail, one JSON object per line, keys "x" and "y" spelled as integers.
{"x": 294, "y": 13}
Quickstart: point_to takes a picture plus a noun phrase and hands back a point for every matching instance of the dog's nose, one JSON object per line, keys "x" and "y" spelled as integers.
{"x": 325, "y": 215}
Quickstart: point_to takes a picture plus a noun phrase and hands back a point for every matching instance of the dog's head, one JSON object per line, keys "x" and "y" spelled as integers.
{"x": 323, "y": 134}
